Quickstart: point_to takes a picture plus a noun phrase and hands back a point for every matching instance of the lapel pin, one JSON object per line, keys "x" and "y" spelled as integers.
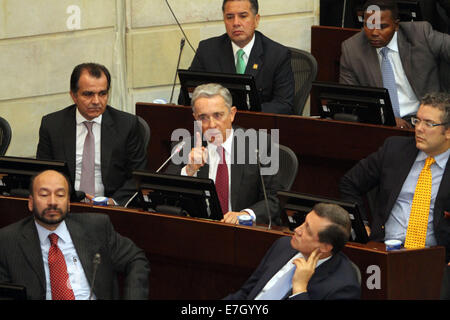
{"x": 255, "y": 66}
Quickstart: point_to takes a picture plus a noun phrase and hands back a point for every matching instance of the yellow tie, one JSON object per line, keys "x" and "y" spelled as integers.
{"x": 418, "y": 219}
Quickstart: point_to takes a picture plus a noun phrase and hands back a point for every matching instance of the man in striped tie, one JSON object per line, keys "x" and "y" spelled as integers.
{"x": 412, "y": 176}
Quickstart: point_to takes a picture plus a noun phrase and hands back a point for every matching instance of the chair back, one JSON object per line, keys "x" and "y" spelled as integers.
{"x": 288, "y": 167}
{"x": 304, "y": 67}
{"x": 5, "y": 136}
{"x": 144, "y": 128}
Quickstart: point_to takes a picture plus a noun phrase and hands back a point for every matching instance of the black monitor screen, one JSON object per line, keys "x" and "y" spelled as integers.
{"x": 16, "y": 173}
{"x": 354, "y": 103}
{"x": 180, "y": 195}
{"x": 295, "y": 206}
{"x": 241, "y": 86}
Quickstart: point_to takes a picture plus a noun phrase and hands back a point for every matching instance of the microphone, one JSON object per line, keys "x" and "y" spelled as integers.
{"x": 179, "y": 25}
{"x": 176, "y": 70}
{"x": 177, "y": 148}
{"x": 264, "y": 190}
{"x": 96, "y": 262}
{"x": 343, "y": 14}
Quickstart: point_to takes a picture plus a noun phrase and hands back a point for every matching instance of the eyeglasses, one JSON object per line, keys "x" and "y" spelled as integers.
{"x": 218, "y": 116}
{"x": 428, "y": 123}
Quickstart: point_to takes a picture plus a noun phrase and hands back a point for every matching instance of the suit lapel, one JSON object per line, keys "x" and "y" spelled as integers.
{"x": 404, "y": 49}
{"x": 255, "y": 61}
{"x": 237, "y": 170}
{"x": 442, "y": 196}
{"x": 30, "y": 244}
{"x": 226, "y": 58}
{"x": 108, "y": 132}
{"x": 70, "y": 140}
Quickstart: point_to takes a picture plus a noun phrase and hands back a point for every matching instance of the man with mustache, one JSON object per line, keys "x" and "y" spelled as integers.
{"x": 412, "y": 176}
{"x": 243, "y": 50}
{"x": 51, "y": 252}
{"x": 100, "y": 144}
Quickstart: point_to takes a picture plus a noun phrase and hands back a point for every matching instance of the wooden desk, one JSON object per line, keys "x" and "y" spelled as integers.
{"x": 198, "y": 259}
{"x": 326, "y": 149}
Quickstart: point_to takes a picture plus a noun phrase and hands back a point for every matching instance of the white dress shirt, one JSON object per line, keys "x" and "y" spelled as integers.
{"x": 408, "y": 102}
{"x": 247, "y": 50}
{"x": 80, "y": 137}
{"x": 77, "y": 278}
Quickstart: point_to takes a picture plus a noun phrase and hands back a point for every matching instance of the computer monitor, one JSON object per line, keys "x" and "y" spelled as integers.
{"x": 179, "y": 195}
{"x": 10, "y": 291}
{"x": 354, "y": 103}
{"x": 242, "y": 87}
{"x": 407, "y": 11}
{"x": 16, "y": 172}
{"x": 295, "y": 206}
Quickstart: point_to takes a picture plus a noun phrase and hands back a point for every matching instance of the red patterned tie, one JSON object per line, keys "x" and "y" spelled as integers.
{"x": 59, "y": 279}
{"x": 222, "y": 184}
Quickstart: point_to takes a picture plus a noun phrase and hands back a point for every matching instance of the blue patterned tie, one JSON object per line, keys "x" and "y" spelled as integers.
{"x": 389, "y": 81}
{"x": 282, "y": 287}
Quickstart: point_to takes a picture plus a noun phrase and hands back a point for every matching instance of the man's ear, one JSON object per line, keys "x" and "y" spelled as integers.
{"x": 325, "y": 248}
{"x": 30, "y": 203}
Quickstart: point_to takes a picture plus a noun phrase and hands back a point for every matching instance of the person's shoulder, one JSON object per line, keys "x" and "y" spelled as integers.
{"x": 267, "y": 42}
{"x": 412, "y": 27}
{"x": 399, "y": 140}
{"x": 119, "y": 115}
{"x": 214, "y": 41}
{"x": 60, "y": 113}
{"x": 13, "y": 230}
{"x": 89, "y": 218}
{"x": 356, "y": 39}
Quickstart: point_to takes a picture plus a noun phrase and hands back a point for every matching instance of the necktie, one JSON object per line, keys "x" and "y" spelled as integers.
{"x": 240, "y": 63}
{"x": 87, "y": 178}
{"x": 279, "y": 290}
{"x": 418, "y": 218}
{"x": 222, "y": 180}
{"x": 59, "y": 279}
{"x": 389, "y": 81}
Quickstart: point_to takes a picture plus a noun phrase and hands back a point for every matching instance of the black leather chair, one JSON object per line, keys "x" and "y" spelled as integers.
{"x": 5, "y": 136}
{"x": 304, "y": 67}
{"x": 145, "y": 131}
{"x": 288, "y": 167}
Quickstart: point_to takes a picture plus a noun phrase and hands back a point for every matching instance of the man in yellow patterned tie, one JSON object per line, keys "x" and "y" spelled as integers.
{"x": 411, "y": 177}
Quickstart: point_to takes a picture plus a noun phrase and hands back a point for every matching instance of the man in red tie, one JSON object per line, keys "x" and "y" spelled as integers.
{"x": 55, "y": 254}
{"x": 220, "y": 157}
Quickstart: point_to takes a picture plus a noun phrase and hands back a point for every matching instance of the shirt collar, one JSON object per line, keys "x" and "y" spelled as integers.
{"x": 80, "y": 119}
{"x": 226, "y": 145}
{"x": 61, "y": 231}
{"x": 441, "y": 159}
{"x": 247, "y": 49}
{"x": 392, "y": 45}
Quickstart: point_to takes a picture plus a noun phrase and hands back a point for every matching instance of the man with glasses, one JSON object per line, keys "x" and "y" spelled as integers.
{"x": 412, "y": 175}
{"x": 219, "y": 157}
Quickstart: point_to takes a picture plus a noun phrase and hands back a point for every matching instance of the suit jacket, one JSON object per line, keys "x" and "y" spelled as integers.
{"x": 122, "y": 149}
{"x": 387, "y": 169}
{"x": 246, "y": 187}
{"x": 21, "y": 257}
{"x": 421, "y": 49}
{"x": 335, "y": 279}
{"x": 273, "y": 75}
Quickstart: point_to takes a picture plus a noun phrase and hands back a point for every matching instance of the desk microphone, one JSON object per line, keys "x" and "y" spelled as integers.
{"x": 176, "y": 70}
{"x": 177, "y": 149}
{"x": 96, "y": 262}
{"x": 264, "y": 190}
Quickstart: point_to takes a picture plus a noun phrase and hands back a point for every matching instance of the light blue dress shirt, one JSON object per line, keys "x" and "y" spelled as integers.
{"x": 397, "y": 223}
{"x": 77, "y": 278}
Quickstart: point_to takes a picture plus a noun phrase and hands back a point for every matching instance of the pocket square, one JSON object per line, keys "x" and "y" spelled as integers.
{"x": 447, "y": 214}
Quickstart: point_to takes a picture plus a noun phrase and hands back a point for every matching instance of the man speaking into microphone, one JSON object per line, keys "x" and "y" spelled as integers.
{"x": 59, "y": 255}
{"x": 228, "y": 159}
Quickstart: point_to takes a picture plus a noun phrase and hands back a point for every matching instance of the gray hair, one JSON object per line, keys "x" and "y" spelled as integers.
{"x": 441, "y": 101}
{"x": 211, "y": 90}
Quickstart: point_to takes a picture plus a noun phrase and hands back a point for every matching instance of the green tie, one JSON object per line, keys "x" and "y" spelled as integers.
{"x": 240, "y": 64}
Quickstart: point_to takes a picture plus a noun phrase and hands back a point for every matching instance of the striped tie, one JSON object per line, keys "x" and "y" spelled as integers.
{"x": 389, "y": 81}
{"x": 418, "y": 218}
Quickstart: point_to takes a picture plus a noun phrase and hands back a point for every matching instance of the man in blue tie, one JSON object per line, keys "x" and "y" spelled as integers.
{"x": 308, "y": 265}
{"x": 403, "y": 57}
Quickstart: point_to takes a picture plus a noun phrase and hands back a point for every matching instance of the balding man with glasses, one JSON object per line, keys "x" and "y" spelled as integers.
{"x": 412, "y": 175}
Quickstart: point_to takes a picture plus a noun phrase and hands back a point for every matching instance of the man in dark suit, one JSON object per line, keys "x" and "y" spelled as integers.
{"x": 234, "y": 169}
{"x": 394, "y": 170}
{"x": 118, "y": 146}
{"x": 27, "y": 258}
{"x": 269, "y": 62}
{"x": 413, "y": 50}
{"x": 308, "y": 265}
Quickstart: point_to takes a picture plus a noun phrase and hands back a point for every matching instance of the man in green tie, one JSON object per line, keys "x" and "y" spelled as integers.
{"x": 244, "y": 50}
